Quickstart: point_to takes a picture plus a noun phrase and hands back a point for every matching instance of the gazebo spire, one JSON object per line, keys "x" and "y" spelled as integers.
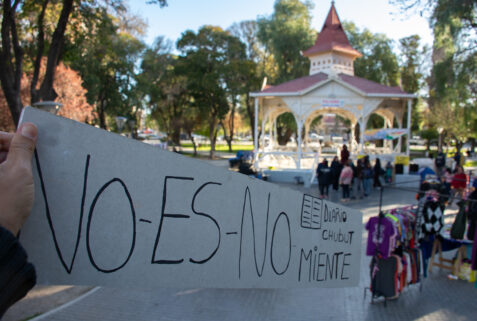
{"x": 332, "y": 52}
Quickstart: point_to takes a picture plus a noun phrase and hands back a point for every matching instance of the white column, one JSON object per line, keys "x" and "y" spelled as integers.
{"x": 270, "y": 129}
{"x": 399, "y": 121}
{"x": 275, "y": 128}
{"x": 352, "y": 138}
{"x": 255, "y": 133}
{"x": 299, "y": 127}
{"x": 409, "y": 107}
{"x": 362, "y": 126}
{"x": 262, "y": 131}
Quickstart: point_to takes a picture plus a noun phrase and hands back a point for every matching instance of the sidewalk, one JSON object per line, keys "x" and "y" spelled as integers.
{"x": 440, "y": 298}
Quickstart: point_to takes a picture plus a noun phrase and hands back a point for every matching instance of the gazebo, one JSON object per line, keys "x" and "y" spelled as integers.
{"x": 330, "y": 88}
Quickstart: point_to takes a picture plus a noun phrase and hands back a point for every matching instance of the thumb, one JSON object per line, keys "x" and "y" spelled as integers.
{"x": 23, "y": 144}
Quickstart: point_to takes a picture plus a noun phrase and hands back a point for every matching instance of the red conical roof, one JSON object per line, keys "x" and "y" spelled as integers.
{"x": 332, "y": 37}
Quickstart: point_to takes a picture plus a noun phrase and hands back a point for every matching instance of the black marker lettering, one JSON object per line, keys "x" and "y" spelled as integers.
{"x": 306, "y": 257}
{"x": 163, "y": 215}
{"x": 248, "y": 196}
{"x": 211, "y": 218}
{"x": 88, "y": 228}
{"x": 343, "y": 266}
{"x": 69, "y": 267}
{"x": 282, "y": 214}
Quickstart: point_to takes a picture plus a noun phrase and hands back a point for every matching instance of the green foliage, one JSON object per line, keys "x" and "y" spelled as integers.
{"x": 411, "y": 73}
{"x": 375, "y": 121}
{"x": 286, "y": 126}
{"x": 429, "y": 135}
{"x": 106, "y": 58}
{"x": 165, "y": 90}
{"x": 260, "y": 65}
{"x": 212, "y": 61}
{"x": 378, "y": 62}
{"x": 452, "y": 83}
{"x": 286, "y": 33}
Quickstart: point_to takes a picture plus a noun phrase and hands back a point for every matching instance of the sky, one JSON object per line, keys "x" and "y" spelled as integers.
{"x": 180, "y": 15}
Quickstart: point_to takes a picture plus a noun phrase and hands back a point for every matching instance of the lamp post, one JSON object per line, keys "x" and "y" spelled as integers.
{"x": 49, "y": 106}
{"x": 440, "y": 130}
{"x": 120, "y": 122}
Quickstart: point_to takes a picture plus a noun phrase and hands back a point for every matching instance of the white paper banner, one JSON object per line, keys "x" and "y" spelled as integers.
{"x": 113, "y": 211}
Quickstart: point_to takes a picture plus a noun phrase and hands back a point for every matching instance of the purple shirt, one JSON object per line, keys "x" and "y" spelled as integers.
{"x": 387, "y": 235}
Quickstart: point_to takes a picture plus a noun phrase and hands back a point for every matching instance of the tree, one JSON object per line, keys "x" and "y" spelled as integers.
{"x": 106, "y": 54}
{"x": 285, "y": 33}
{"x": 378, "y": 62}
{"x": 206, "y": 61}
{"x": 261, "y": 64}
{"x": 452, "y": 83}
{"x": 17, "y": 15}
{"x": 286, "y": 126}
{"x": 12, "y": 54}
{"x": 429, "y": 135}
{"x": 238, "y": 73}
{"x": 165, "y": 90}
{"x": 67, "y": 84}
{"x": 411, "y": 73}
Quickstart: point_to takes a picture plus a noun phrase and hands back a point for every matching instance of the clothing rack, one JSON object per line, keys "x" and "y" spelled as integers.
{"x": 387, "y": 261}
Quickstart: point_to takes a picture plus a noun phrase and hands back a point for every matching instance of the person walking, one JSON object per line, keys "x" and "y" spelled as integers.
{"x": 458, "y": 184}
{"x": 378, "y": 171}
{"x": 358, "y": 179}
{"x": 367, "y": 177}
{"x": 335, "y": 172}
{"x": 345, "y": 180}
{"x": 336, "y": 168}
{"x": 324, "y": 178}
{"x": 388, "y": 176}
{"x": 344, "y": 156}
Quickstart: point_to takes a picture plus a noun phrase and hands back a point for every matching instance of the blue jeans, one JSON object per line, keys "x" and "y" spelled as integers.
{"x": 367, "y": 186}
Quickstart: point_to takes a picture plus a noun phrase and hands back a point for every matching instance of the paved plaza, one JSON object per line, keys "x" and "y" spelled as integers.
{"x": 438, "y": 299}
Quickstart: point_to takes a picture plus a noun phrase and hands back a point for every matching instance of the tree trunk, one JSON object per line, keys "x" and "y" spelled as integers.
{"x": 11, "y": 67}
{"x": 251, "y": 115}
{"x": 39, "y": 53}
{"x": 193, "y": 144}
{"x": 101, "y": 114}
{"x": 46, "y": 91}
{"x": 283, "y": 139}
{"x": 231, "y": 126}
{"x": 228, "y": 138}
{"x": 176, "y": 136}
{"x": 212, "y": 136}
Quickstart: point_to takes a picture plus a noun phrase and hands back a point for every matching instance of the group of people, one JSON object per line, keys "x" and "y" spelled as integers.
{"x": 454, "y": 182}
{"x": 355, "y": 180}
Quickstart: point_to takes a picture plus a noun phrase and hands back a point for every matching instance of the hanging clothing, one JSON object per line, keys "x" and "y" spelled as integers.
{"x": 433, "y": 218}
{"x": 381, "y": 240}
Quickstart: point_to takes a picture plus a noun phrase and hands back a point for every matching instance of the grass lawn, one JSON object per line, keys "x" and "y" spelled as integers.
{"x": 220, "y": 147}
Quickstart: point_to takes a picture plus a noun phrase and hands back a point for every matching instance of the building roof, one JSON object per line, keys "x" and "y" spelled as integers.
{"x": 296, "y": 85}
{"x": 303, "y": 84}
{"x": 332, "y": 37}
